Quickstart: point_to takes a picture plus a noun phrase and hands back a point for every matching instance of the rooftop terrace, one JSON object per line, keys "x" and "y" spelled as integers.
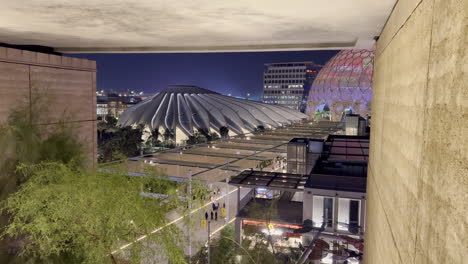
{"x": 214, "y": 161}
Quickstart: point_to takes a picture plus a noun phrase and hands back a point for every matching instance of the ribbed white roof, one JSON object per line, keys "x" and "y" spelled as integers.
{"x": 190, "y": 107}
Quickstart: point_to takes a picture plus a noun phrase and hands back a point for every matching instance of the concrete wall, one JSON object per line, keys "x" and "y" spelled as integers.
{"x": 67, "y": 84}
{"x": 418, "y": 172}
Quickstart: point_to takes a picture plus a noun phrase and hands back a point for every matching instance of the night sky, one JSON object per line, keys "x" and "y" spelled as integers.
{"x": 235, "y": 73}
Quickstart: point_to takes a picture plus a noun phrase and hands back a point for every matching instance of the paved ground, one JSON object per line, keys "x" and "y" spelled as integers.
{"x": 199, "y": 236}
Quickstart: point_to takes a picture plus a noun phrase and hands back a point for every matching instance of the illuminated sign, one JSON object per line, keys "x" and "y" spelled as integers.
{"x": 270, "y": 225}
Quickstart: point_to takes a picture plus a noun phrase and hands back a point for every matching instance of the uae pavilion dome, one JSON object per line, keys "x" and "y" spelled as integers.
{"x": 182, "y": 110}
{"x": 343, "y": 85}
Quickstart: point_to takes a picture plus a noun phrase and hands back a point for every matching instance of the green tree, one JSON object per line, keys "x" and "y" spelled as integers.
{"x": 62, "y": 213}
{"x": 84, "y": 215}
{"x": 153, "y": 139}
{"x": 106, "y": 126}
{"x": 111, "y": 121}
{"x": 224, "y": 132}
{"x": 213, "y": 137}
{"x": 24, "y": 142}
{"x": 197, "y": 138}
{"x": 124, "y": 140}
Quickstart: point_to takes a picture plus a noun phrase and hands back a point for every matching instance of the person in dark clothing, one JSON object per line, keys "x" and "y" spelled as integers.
{"x": 224, "y": 205}
{"x": 211, "y": 215}
{"x": 216, "y": 215}
{"x": 206, "y": 215}
{"x": 213, "y": 206}
{"x": 217, "y": 206}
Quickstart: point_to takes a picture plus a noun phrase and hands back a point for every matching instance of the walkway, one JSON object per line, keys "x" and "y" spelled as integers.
{"x": 199, "y": 235}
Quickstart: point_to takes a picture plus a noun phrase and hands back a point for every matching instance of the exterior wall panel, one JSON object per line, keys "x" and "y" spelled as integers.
{"x": 417, "y": 180}
{"x": 67, "y": 86}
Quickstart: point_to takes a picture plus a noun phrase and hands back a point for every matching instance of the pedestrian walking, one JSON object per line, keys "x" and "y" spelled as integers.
{"x": 224, "y": 205}
{"x": 217, "y": 206}
{"x": 206, "y": 215}
{"x": 216, "y": 215}
{"x": 213, "y": 206}
{"x": 211, "y": 215}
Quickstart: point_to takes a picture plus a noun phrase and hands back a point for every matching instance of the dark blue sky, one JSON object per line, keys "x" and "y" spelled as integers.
{"x": 235, "y": 73}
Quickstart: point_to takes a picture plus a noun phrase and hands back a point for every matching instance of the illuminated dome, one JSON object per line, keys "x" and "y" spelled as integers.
{"x": 343, "y": 85}
{"x": 181, "y": 110}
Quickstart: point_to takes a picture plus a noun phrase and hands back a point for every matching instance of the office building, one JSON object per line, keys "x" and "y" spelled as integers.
{"x": 288, "y": 83}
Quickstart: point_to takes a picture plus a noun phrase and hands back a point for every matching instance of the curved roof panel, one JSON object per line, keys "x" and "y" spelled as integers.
{"x": 190, "y": 107}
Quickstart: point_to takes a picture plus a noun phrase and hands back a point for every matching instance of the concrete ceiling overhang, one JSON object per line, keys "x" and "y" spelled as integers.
{"x": 193, "y": 25}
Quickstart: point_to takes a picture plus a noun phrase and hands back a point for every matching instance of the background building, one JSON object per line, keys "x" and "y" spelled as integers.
{"x": 114, "y": 104}
{"x": 343, "y": 85}
{"x": 288, "y": 83}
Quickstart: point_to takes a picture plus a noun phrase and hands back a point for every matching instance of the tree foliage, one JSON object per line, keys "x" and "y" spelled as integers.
{"x": 120, "y": 140}
{"x": 224, "y": 249}
{"x": 264, "y": 163}
{"x": 224, "y": 132}
{"x": 58, "y": 212}
{"x": 22, "y": 141}
{"x": 85, "y": 214}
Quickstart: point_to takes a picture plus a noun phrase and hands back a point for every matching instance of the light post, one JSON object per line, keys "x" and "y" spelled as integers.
{"x": 208, "y": 247}
{"x": 190, "y": 215}
{"x": 227, "y": 192}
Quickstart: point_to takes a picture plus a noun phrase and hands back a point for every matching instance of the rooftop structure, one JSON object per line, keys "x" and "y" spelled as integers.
{"x": 332, "y": 196}
{"x": 184, "y": 110}
{"x": 213, "y": 162}
{"x": 340, "y": 161}
{"x": 270, "y": 180}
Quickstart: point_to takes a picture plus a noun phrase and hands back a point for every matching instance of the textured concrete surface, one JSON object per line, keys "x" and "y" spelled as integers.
{"x": 193, "y": 26}
{"x": 67, "y": 87}
{"x": 418, "y": 171}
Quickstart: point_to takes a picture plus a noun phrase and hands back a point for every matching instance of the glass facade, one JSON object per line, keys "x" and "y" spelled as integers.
{"x": 297, "y": 157}
{"x": 288, "y": 84}
{"x": 322, "y": 211}
{"x": 348, "y": 213}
